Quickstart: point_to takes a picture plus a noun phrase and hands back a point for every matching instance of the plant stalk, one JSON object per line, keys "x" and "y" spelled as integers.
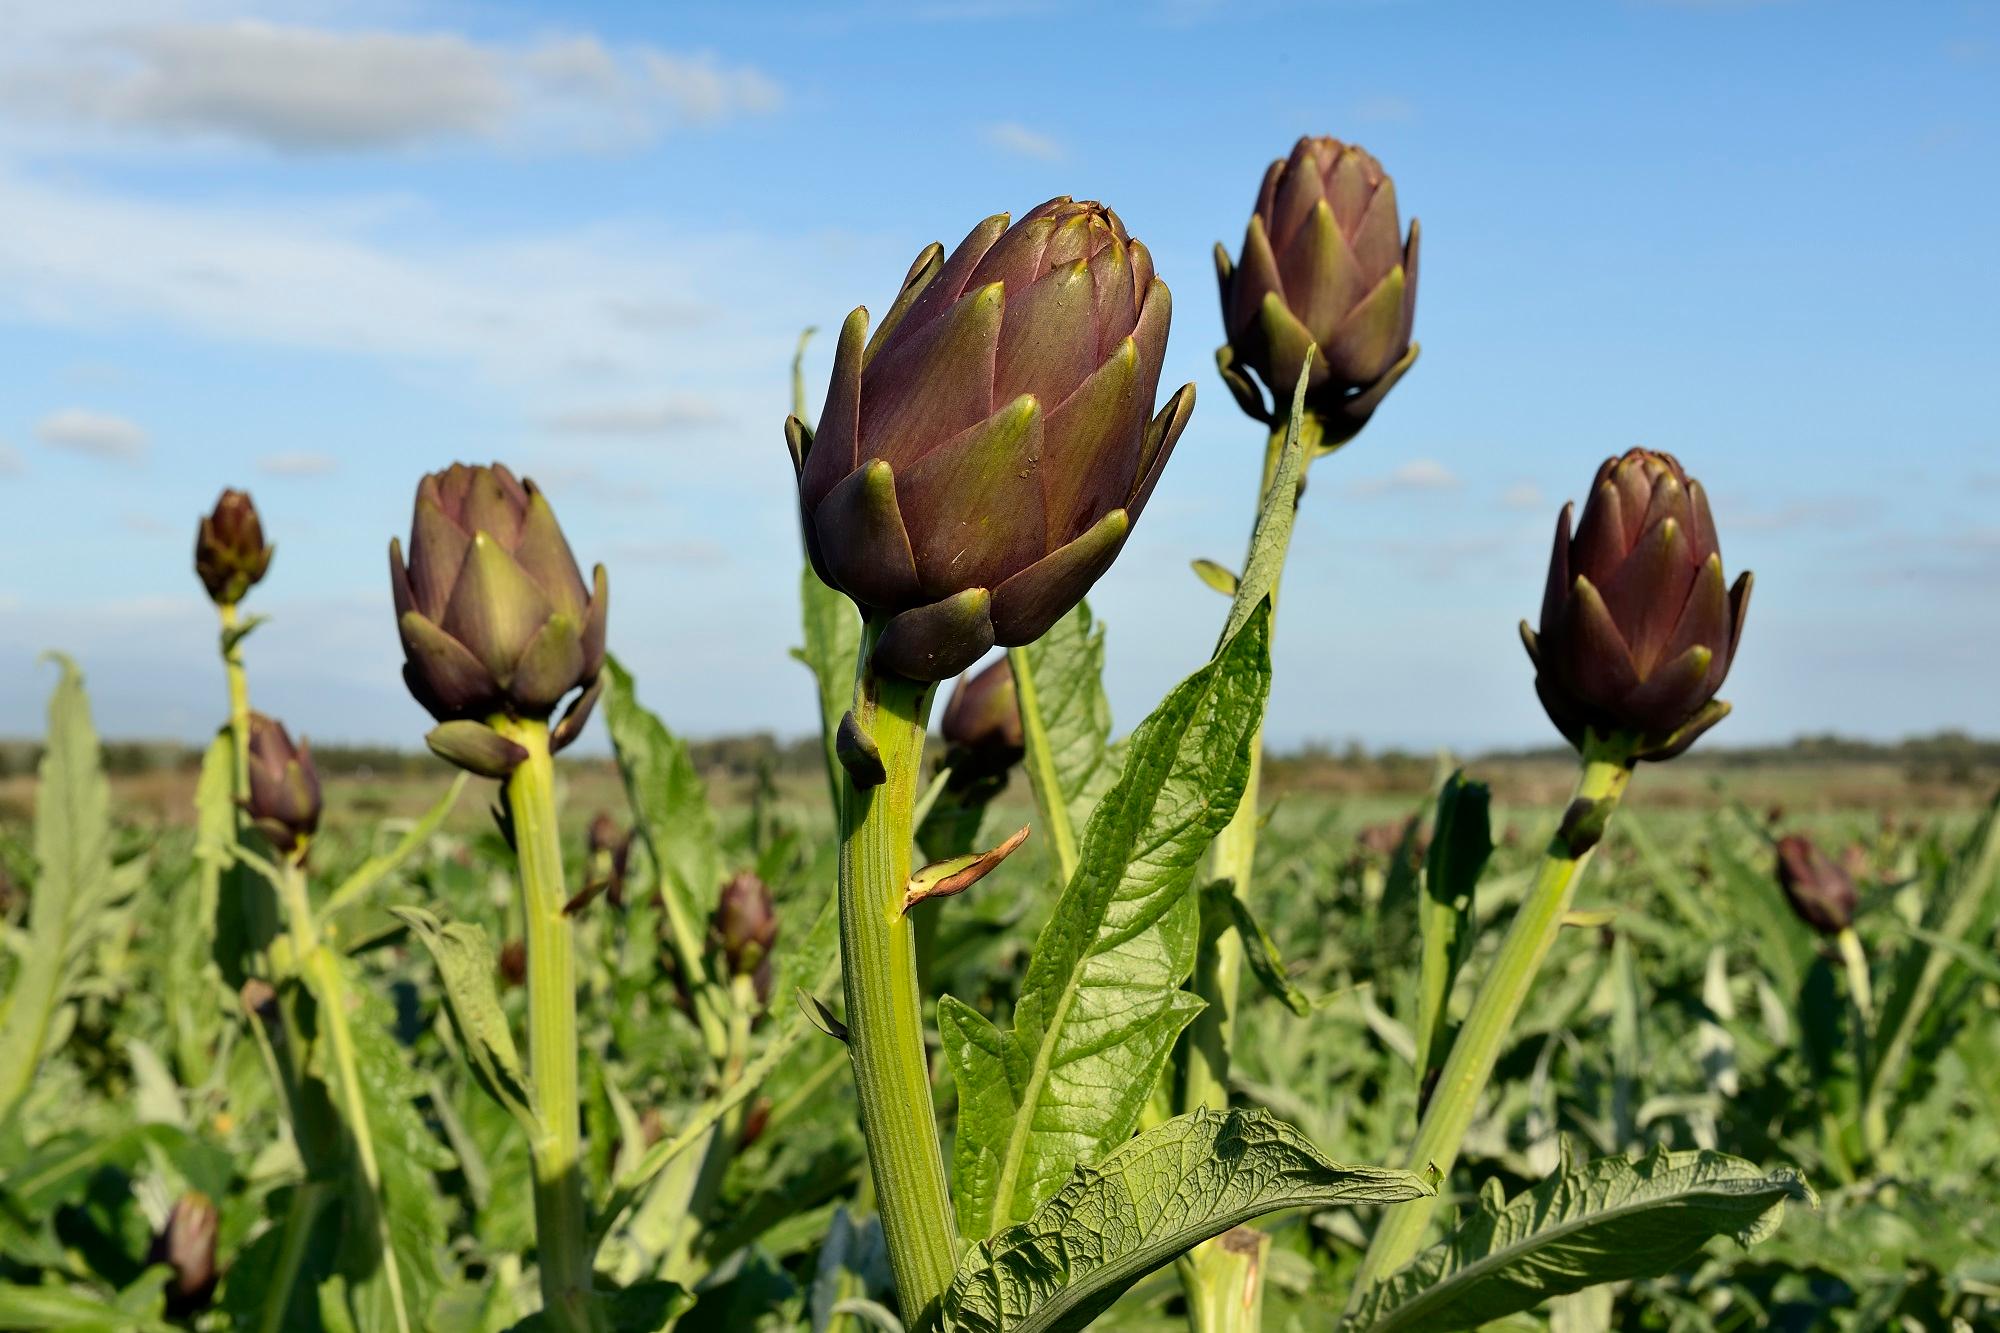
{"x": 562, "y": 1233}
{"x": 1040, "y": 763}
{"x": 885, "y": 1026}
{"x": 1466, "y": 1070}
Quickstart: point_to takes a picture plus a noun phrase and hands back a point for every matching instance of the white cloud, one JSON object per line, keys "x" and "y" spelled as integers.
{"x": 296, "y": 465}
{"x": 1019, "y": 139}
{"x": 1421, "y": 474}
{"x": 11, "y": 462}
{"x": 1523, "y": 495}
{"x": 99, "y": 434}
{"x": 306, "y": 89}
{"x": 664, "y": 417}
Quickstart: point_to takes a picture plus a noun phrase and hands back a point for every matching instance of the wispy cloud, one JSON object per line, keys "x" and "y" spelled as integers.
{"x": 665, "y": 417}
{"x": 1417, "y": 475}
{"x": 98, "y": 434}
{"x": 1012, "y": 137}
{"x": 296, "y": 465}
{"x": 1524, "y": 496}
{"x": 298, "y": 89}
{"x": 11, "y": 462}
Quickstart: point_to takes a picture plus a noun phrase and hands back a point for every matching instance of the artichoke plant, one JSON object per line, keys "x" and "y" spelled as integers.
{"x": 284, "y": 800}
{"x": 1820, "y": 891}
{"x": 186, "y": 1246}
{"x": 1638, "y": 626}
{"x": 1324, "y": 261}
{"x": 982, "y": 725}
{"x": 981, "y": 459}
{"x": 744, "y": 928}
{"x": 495, "y": 617}
{"x": 230, "y": 554}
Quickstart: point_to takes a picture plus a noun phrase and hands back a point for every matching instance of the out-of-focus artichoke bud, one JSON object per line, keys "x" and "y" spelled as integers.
{"x": 513, "y": 962}
{"x": 982, "y": 725}
{"x": 744, "y": 928}
{"x": 1817, "y": 886}
{"x": 610, "y": 853}
{"x": 1638, "y": 626}
{"x": 284, "y": 797}
{"x": 495, "y": 617}
{"x": 187, "y": 1245}
{"x": 1324, "y": 261}
{"x": 230, "y": 554}
{"x": 981, "y": 459}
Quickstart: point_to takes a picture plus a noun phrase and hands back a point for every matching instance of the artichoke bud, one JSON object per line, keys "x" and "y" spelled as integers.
{"x": 1638, "y": 628}
{"x": 186, "y": 1245}
{"x": 743, "y": 929}
{"x": 230, "y": 554}
{"x": 981, "y": 460}
{"x": 1324, "y": 262}
{"x": 610, "y": 853}
{"x": 284, "y": 801}
{"x": 1819, "y": 889}
{"x": 496, "y": 619}
{"x": 982, "y": 727}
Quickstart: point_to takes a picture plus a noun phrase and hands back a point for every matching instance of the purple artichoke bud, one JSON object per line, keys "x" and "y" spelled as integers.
{"x": 495, "y": 617}
{"x": 982, "y": 725}
{"x": 1818, "y": 888}
{"x": 187, "y": 1245}
{"x": 981, "y": 459}
{"x": 1638, "y": 627}
{"x": 744, "y": 928}
{"x": 284, "y": 798}
{"x": 230, "y": 554}
{"x": 1324, "y": 261}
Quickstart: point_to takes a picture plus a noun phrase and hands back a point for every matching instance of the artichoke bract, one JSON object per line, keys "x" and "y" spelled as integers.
{"x": 1820, "y": 891}
{"x": 230, "y": 553}
{"x": 284, "y": 800}
{"x": 1324, "y": 261}
{"x": 981, "y": 459}
{"x": 1638, "y": 627}
{"x": 495, "y": 617}
{"x": 982, "y": 725}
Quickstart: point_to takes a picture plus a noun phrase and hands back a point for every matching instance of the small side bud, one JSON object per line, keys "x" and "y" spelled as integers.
{"x": 1583, "y": 824}
{"x": 186, "y": 1244}
{"x": 230, "y": 553}
{"x": 1819, "y": 889}
{"x": 284, "y": 800}
{"x": 476, "y": 748}
{"x": 942, "y": 879}
{"x": 858, "y": 753}
{"x": 743, "y": 930}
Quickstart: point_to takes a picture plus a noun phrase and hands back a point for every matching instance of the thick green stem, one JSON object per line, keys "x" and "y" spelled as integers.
{"x": 885, "y": 1025}
{"x": 239, "y": 699}
{"x": 1466, "y": 1070}
{"x": 1227, "y": 1294}
{"x": 1050, "y": 802}
{"x": 562, "y": 1234}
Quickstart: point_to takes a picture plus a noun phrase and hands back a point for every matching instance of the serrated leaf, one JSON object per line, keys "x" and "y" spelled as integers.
{"x": 465, "y": 964}
{"x": 1460, "y": 846}
{"x": 1172, "y": 1187}
{"x": 670, "y": 808}
{"x": 1101, "y": 1004}
{"x": 73, "y": 887}
{"x": 1607, "y": 1220}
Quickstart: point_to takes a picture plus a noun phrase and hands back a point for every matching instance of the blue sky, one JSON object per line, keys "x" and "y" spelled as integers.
{"x": 318, "y": 249}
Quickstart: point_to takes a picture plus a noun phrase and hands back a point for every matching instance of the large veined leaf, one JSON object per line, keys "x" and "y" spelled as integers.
{"x": 670, "y": 804}
{"x": 1101, "y": 1004}
{"x": 1172, "y": 1187}
{"x": 73, "y": 887}
{"x": 1607, "y": 1220}
{"x": 1068, "y": 668}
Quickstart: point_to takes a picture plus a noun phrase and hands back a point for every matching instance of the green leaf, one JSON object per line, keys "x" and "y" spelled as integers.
{"x": 1158, "y": 1195}
{"x": 1218, "y": 577}
{"x": 465, "y": 964}
{"x": 833, "y": 639}
{"x": 51, "y": 1308}
{"x": 1067, "y": 667}
{"x": 192, "y": 1013}
{"x": 1460, "y": 846}
{"x": 1609, "y": 1220}
{"x": 670, "y": 805}
{"x": 1101, "y": 1004}
{"x": 72, "y": 891}
{"x": 1259, "y": 949}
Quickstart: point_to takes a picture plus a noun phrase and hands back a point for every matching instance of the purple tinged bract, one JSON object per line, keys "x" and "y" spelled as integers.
{"x": 230, "y": 553}
{"x": 1638, "y": 626}
{"x": 1820, "y": 891}
{"x": 981, "y": 459}
{"x": 1324, "y": 262}
{"x": 981, "y": 725}
{"x": 284, "y": 800}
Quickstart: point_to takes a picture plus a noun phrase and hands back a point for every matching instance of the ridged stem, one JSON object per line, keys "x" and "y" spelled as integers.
{"x": 885, "y": 1025}
{"x": 562, "y": 1234}
{"x": 1466, "y": 1070}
